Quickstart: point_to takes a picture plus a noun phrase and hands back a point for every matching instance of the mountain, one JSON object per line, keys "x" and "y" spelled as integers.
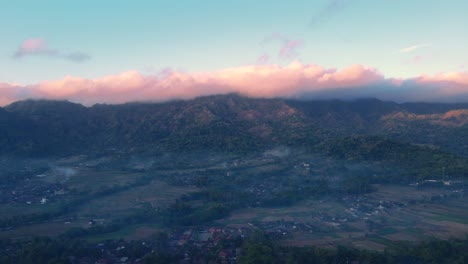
{"x": 225, "y": 123}
{"x": 41, "y": 127}
{"x": 433, "y": 124}
{"x": 228, "y": 123}
{"x": 219, "y": 122}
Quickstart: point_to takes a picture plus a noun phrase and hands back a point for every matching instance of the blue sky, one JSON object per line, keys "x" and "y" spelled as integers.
{"x": 148, "y": 36}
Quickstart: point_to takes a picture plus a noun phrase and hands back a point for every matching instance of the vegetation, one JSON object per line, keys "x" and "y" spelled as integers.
{"x": 233, "y": 153}
{"x": 228, "y": 123}
{"x": 256, "y": 249}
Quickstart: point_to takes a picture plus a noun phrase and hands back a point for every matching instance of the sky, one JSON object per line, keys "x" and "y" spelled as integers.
{"x": 117, "y": 51}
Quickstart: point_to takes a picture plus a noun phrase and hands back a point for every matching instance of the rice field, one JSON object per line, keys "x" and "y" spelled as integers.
{"x": 416, "y": 221}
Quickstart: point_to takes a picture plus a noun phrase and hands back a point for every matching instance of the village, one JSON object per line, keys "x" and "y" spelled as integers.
{"x": 193, "y": 245}
{"x": 32, "y": 192}
{"x": 261, "y": 183}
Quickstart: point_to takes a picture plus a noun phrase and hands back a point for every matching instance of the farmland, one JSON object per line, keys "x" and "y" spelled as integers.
{"x": 413, "y": 217}
{"x": 101, "y": 192}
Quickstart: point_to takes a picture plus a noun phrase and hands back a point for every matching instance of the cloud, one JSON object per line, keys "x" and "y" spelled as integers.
{"x": 263, "y": 59}
{"x": 34, "y": 46}
{"x": 413, "y": 48}
{"x": 289, "y": 47}
{"x": 14, "y": 92}
{"x": 331, "y": 9}
{"x": 77, "y": 56}
{"x": 452, "y": 77}
{"x": 295, "y": 80}
{"x": 39, "y": 47}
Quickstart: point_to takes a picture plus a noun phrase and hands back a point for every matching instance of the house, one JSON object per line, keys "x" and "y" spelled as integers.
{"x": 223, "y": 254}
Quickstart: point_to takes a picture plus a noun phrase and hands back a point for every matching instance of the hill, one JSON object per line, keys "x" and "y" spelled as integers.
{"x": 228, "y": 123}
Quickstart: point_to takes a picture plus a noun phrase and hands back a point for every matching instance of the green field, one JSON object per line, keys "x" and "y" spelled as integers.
{"x": 372, "y": 220}
{"x": 413, "y": 222}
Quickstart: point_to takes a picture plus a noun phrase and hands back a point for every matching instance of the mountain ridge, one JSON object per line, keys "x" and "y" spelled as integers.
{"x": 224, "y": 122}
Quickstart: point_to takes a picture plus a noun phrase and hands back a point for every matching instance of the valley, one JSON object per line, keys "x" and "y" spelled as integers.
{"x": 214, "y": 173}
{"x": 274, "y": 194}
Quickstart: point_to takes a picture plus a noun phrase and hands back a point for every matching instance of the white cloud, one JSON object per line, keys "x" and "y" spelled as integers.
{"x": 413, "y": 48}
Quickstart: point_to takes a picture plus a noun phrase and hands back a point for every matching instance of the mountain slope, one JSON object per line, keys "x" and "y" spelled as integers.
{"x": 229, "y": 123}
{"x": 438, "y": 125}
{"x": 226, "y": 123}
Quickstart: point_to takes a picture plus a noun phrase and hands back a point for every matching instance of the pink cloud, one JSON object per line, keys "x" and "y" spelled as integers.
{"x": 291, "y": 81}
{"x": 263, "y": 59}
{"x": 34, "y": 46}
{"x": 289, "y": 49}
{"x": 7, "y": 93}
{"x": 39, "y": 47}
{"x": 13, "y": 92}
{"x": 460, "y": 78}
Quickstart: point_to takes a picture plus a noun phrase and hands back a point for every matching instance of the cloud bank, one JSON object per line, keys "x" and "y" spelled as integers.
{"x": 39, "y": 47}
{"x": 296, "y": 80}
